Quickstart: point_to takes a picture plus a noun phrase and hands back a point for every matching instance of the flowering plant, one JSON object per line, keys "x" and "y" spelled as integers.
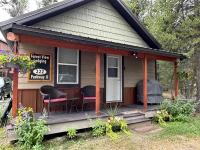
{"x": 22, "y": 62}
{"x": 162, "y": 116}
{"x": 24, "y": 114}
{"x": 30, "y": 132}
{"x": 117, "y": 124}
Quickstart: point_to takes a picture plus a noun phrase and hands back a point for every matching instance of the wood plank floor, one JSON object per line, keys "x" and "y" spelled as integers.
{"x": 61, "y": 117}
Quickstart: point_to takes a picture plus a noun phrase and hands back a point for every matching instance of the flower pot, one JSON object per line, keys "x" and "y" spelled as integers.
{"x": 11, "y": 65}
{"x": 116, "y": 128}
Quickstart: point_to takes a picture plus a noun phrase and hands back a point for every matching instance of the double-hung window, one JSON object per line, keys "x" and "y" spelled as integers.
{"x": 67, "y": 66}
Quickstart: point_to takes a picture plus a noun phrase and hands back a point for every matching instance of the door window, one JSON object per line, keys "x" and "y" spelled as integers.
{"x": 113, "y": 67}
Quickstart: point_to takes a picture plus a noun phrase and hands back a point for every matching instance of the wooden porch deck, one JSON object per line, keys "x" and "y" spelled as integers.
{"x": 59, "y": 122}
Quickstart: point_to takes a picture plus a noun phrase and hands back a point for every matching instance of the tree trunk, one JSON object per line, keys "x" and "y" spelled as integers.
{"x": 198, "y": 79}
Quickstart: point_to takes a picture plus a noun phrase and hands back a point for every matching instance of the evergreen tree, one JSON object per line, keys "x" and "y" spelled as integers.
{"x": 44, "y": 3}
{"x": 14, "y": 7}
{"x": 176, "y": 25}
{"x": 140, "y": 7}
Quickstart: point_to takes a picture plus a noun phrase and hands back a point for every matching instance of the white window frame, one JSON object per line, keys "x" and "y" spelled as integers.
{"x": 66, "y": 64}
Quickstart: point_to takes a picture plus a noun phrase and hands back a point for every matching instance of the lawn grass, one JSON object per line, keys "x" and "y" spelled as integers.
{"x": 190, "y": 129}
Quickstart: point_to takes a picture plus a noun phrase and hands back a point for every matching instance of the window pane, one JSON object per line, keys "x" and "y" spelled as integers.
{"x": 112, "y": 62}
{"x": 67, "y": 74}
{"x": 67, "y": 56}
{"x": 113, "y": 72}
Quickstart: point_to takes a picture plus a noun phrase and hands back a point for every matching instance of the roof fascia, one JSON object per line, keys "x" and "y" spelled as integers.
{"x": 21, "y": 29}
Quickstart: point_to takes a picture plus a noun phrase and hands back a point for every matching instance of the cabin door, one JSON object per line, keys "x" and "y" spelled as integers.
{"x": 114, "y": 79}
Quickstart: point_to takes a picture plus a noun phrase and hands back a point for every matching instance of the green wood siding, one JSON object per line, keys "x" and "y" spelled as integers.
{"x": 25, "y": 48}
{"x": 97, "y": 20}
{"x": 132, "y": 74}
{"x": 134, "y": 71}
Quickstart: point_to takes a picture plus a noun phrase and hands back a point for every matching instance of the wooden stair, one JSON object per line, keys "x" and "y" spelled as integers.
{"x": 135, "y": 118}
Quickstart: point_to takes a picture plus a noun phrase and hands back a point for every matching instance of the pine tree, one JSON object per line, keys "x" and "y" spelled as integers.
{"x": 14, "y": 7}
{"x": 176, "y": 25}
{"x": 44, "y": 3}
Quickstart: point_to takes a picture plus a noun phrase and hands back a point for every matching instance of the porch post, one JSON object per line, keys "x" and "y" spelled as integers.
{"x": 145, "y": 76}
{"x": 15, "y": 86}
{"x": 98, "y": 66}
{"x": 176, "y": 80}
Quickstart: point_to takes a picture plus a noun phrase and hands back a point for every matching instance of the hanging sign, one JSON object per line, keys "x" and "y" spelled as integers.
{"x": 42, "y": 70}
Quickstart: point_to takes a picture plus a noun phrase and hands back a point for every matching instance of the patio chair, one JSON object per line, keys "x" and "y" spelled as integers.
{"x": 52, "y": 95}
{"x": 88, "y": 95}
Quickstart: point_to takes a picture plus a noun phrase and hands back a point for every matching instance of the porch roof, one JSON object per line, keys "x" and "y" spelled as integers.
{"x": 36, "y": 32}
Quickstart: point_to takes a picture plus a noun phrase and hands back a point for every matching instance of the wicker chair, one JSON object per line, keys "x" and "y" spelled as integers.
{"x": 52, "y": 95}
{"x": 88, "y": 95}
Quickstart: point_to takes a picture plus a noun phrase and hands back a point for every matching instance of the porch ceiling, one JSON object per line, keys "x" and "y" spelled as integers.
{"x": 95, "y": 44}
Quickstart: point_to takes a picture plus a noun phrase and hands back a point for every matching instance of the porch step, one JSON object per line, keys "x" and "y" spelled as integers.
{"x": 135, "y": 118}
{"x": 140, "y": 120}
{"x": 127, "y": 115}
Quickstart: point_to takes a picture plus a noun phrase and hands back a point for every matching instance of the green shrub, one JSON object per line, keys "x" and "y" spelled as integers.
{"x": 179, "y": 109}
{"x": 191, "y": 128}
{"x": 30, "y": 132}
{"x": 99, "y": 128}
{"x": 71, "y": 133}
{"x": 161, "y": 117}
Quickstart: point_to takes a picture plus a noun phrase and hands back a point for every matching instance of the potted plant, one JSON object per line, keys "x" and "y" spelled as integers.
{"x": 115, "y": 123}
{"x": 21, "y": 62}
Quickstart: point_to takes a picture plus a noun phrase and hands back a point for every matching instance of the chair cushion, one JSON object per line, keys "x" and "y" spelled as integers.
{"x": 89, "y": 99}
{"x": 55, "y": 100}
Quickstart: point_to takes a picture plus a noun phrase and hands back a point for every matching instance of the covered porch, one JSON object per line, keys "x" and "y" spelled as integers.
{"x": 23, "y": 34}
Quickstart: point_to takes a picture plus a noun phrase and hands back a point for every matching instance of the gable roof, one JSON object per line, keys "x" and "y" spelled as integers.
{"x": 58, "y": 8}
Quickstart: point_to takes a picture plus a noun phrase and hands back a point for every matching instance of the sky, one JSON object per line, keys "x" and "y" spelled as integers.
{"x": 5, "y": 16}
